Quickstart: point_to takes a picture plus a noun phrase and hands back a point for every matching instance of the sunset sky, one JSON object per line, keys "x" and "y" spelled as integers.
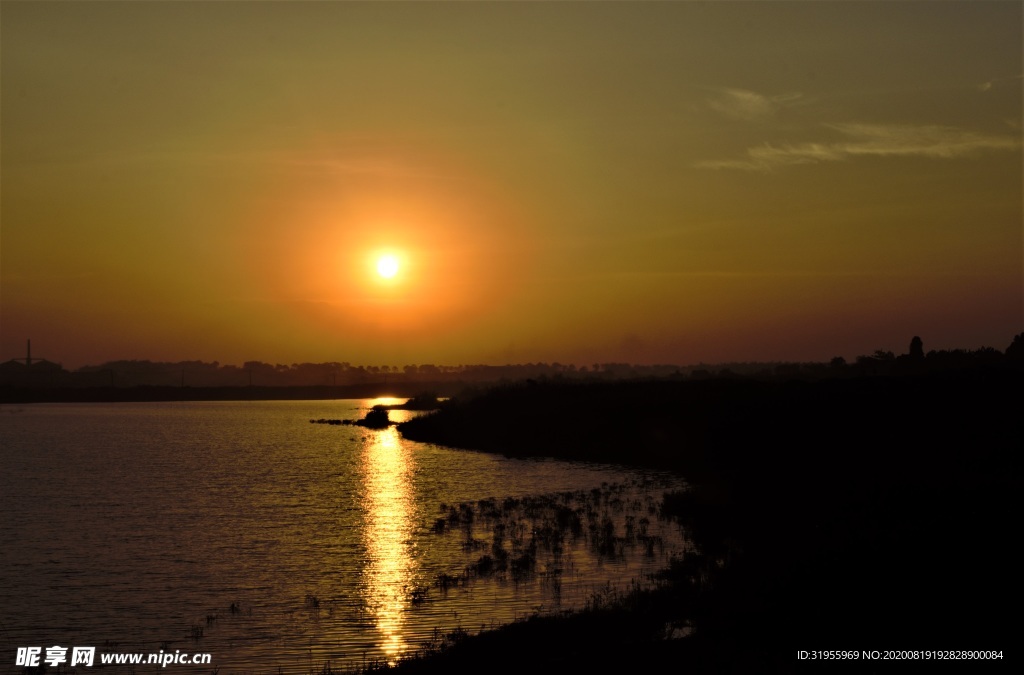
{"x": 569, "y": 181}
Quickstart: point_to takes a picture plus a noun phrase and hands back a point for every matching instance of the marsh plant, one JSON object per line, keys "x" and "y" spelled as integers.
{"x": 545, "y": 540}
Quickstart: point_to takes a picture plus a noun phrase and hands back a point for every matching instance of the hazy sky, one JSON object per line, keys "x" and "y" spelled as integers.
{"x": 565, "y": 181}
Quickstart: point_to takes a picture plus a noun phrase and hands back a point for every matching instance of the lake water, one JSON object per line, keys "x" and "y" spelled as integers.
{"x": 241, "y": 530}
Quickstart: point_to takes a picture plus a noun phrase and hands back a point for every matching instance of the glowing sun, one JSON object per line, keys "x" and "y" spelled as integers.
{"x": 387, "y": 266}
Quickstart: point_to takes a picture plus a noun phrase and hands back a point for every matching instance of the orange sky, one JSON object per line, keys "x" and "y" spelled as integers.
{"x": 573, "y": 182}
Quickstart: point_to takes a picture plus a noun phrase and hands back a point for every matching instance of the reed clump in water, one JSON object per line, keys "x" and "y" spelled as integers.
{"x": 525, "y": 539}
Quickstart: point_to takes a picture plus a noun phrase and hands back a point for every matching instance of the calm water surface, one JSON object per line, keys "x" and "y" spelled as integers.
{"x": 242, "y": 530}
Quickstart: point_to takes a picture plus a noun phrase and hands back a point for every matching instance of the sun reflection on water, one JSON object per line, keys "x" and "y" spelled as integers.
{"x": 388, "y": 500}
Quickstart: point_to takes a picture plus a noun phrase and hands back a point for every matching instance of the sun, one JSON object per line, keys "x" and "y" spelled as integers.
{"x": 387, "y": 266}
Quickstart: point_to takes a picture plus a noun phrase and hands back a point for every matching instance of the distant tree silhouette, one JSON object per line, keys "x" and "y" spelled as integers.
{"x": 1015, "y": 352}
{"x": 429, "y": 370}
{"x": 879, "y": 363}
{"x": 916, "y": 348}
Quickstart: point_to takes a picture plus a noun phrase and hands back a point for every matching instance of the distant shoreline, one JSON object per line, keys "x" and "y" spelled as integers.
{"x": 142, "y": 394}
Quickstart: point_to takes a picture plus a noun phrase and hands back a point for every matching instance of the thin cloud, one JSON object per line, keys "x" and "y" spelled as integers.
{"x": 745, "y": 105}
{"x": 877, "y": 140}
{"x": 987, "y": 86}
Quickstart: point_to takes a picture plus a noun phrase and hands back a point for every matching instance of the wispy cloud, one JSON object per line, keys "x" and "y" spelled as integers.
{"x": 877, "y": 140}
{"x": 987, "y": 86}
{"x": 741, "y": 104}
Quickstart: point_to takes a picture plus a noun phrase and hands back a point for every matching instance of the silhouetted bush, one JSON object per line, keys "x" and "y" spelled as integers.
{"x": 376, "y": 418}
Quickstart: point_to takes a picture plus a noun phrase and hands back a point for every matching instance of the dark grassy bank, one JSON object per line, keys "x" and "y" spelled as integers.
{"x": 858, "y": 514}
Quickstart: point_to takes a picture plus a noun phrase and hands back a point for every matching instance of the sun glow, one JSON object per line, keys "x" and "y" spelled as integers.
{"x": 387, "y": 266}
{"x": 397, "y": 262}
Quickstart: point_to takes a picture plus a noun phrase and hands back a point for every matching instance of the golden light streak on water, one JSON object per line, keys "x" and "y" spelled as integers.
{"x": 389, "y": 503}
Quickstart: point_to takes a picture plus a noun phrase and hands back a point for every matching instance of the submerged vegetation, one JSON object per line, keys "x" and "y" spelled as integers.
{"x": 518, "y": 540}
{"x": 529, "y": 540}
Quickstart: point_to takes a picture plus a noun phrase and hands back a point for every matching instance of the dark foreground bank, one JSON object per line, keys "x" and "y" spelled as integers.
{"x": 864, "y": 515}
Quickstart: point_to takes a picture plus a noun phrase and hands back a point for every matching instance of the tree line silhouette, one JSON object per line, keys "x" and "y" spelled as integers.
{"x": 134, "y": 373}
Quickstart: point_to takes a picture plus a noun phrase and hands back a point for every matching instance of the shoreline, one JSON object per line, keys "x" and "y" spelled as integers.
{"x": 145, "y": 393}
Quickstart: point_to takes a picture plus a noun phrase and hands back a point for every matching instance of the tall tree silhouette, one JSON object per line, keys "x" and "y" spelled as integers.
{"x": 916, "y": 348}
{"x": 1015, "y": 351}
